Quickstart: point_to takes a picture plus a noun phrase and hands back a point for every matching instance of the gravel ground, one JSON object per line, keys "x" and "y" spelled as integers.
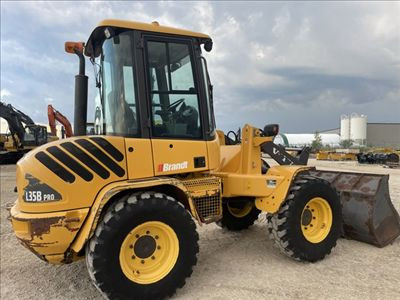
{"x": 230, "y": 265}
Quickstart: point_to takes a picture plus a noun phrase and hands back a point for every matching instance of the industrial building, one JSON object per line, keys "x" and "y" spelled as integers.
{"x": 377, "y": 134}
{"x": 306, "y": 139}
{"x": 353, "y": 127}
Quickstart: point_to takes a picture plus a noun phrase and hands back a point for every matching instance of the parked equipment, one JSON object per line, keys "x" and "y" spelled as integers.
{"x": 24, "y": 134}
{"x": 338, "y": 154}
{"x": 378, "y": 158}
{"x": 53, "y": 116}
{"x": 127, "y": 200}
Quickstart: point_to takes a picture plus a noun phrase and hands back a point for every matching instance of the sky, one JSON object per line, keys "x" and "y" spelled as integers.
{"x": 299, "y": 64}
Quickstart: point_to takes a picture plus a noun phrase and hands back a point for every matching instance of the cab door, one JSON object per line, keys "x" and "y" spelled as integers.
{"x": 123, "y": 112}
{"x": 175, "y": 110}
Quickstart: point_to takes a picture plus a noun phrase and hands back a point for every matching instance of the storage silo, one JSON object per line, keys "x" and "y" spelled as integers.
{"x": 344, "y": 127}
{"x": 358, "y": 128}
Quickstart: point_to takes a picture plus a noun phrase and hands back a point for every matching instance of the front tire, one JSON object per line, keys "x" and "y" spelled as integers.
{"x": 309, "y": 222}
{"x": 144, "y": 248}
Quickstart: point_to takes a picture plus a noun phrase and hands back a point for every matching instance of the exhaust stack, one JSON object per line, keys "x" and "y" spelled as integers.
{"x": 81, "y": 89}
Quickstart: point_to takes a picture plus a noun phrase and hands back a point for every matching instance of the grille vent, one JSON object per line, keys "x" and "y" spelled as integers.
{"x": 206, "y": 195}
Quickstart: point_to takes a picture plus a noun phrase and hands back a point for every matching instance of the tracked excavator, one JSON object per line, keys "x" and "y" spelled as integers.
{"x": 24, "y": 134}
{"x": 127, "y": 200}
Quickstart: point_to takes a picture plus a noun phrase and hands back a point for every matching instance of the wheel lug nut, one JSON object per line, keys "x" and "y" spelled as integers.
{"x": 305, "y": 228}
{"x": 147, "y": 232}
{"x": 153, "y": 257}
{"x": 311, "y": 225}
{"x": 137, "y": 236}
{"x": 158, "y": 247}
{"x": 131, "y": 246}
{"x": 156, "y": 237}
{"x": 137, "y": 272}
{"x": 312, "y": 210}
{"x": 313, "y": 218}
{"x": 142, "y": 261}
{"x": 133, "y": 256}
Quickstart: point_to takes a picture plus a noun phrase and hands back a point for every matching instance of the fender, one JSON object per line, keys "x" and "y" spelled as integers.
{"x": 113, "y": 189}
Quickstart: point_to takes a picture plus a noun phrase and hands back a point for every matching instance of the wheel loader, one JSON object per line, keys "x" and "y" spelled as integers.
{"x": 127, "y": 200}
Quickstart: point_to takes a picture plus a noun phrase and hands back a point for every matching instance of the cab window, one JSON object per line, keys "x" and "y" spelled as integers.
{"x": 119, "y": 103}
{"x": 174, "y": 98}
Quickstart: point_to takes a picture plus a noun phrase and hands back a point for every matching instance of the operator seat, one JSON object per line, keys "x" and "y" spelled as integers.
{"x": 123, "y": 118}
{"x": 189, "y": 116}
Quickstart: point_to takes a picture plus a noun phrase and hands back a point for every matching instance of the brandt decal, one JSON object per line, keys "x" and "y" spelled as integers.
{"x": 172, "y": 167}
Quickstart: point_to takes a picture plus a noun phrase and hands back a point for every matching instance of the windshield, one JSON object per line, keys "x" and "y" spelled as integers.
{"x": 118, "y": 86}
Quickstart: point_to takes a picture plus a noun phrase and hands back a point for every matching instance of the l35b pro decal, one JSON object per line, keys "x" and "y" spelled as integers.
{"x": 37, "y": 191}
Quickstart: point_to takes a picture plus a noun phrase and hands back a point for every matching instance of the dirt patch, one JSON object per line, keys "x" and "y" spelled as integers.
{"x": 230, "y": 265}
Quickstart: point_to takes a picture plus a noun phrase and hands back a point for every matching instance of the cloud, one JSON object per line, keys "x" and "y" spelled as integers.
{"x": 300, "y": 64}
{"x": 5, "y": 93}
{"x": 282, "y": 22}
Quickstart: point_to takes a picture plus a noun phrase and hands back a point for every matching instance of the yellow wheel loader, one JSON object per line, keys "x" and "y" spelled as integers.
{"x": 127, "y": 200}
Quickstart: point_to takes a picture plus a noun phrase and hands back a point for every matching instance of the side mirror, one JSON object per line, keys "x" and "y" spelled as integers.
{"x": 271, "y": 130}
{"x": 208, "y": 45}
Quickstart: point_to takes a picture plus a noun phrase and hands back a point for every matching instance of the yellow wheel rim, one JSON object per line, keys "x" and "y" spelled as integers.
{"x": 149, "y": 252}
{"x": 316, "y": 220}
{"x": 240, "y": 212}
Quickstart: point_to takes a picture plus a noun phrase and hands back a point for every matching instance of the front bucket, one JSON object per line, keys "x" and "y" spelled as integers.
{"x": 368, "y": 212}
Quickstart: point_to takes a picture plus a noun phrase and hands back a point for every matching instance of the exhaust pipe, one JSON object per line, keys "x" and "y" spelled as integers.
{"x": 81, "y": 96}
{"x": 81, "y": 89}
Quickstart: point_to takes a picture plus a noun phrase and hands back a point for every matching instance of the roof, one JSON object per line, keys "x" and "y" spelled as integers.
{"x": 151, "y": 27}
{"x": 328, "y": 130}
{"x": 154, "y": 27}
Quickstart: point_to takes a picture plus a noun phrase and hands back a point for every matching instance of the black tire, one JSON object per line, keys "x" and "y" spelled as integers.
{"x": 103, "y": 249}
{"x": 285, "y": 229}
{"x": 233, "y": 222}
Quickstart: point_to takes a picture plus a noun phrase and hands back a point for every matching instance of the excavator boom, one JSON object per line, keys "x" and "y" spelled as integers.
{"x": 24, "y": 134}
{"x": 15, "y": 119}
{"x": 54, "y": 115}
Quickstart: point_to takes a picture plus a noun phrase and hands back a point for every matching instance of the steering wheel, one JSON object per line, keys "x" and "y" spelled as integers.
{"x": 175, "y": 104}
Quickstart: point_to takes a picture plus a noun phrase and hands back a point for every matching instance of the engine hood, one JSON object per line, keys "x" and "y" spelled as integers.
{"x": 68, "y": 174}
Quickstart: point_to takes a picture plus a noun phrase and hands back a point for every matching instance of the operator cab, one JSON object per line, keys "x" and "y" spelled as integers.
{"x": 35, "y": 135}
{"x": 177, "y": 92}
{"x": 154, "y": 84}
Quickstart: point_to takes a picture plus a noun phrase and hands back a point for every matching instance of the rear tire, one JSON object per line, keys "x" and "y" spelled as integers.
{"x": 144, "y": 247}
{"x": 238, "y": 215}
{"x": 309, "y": 222}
